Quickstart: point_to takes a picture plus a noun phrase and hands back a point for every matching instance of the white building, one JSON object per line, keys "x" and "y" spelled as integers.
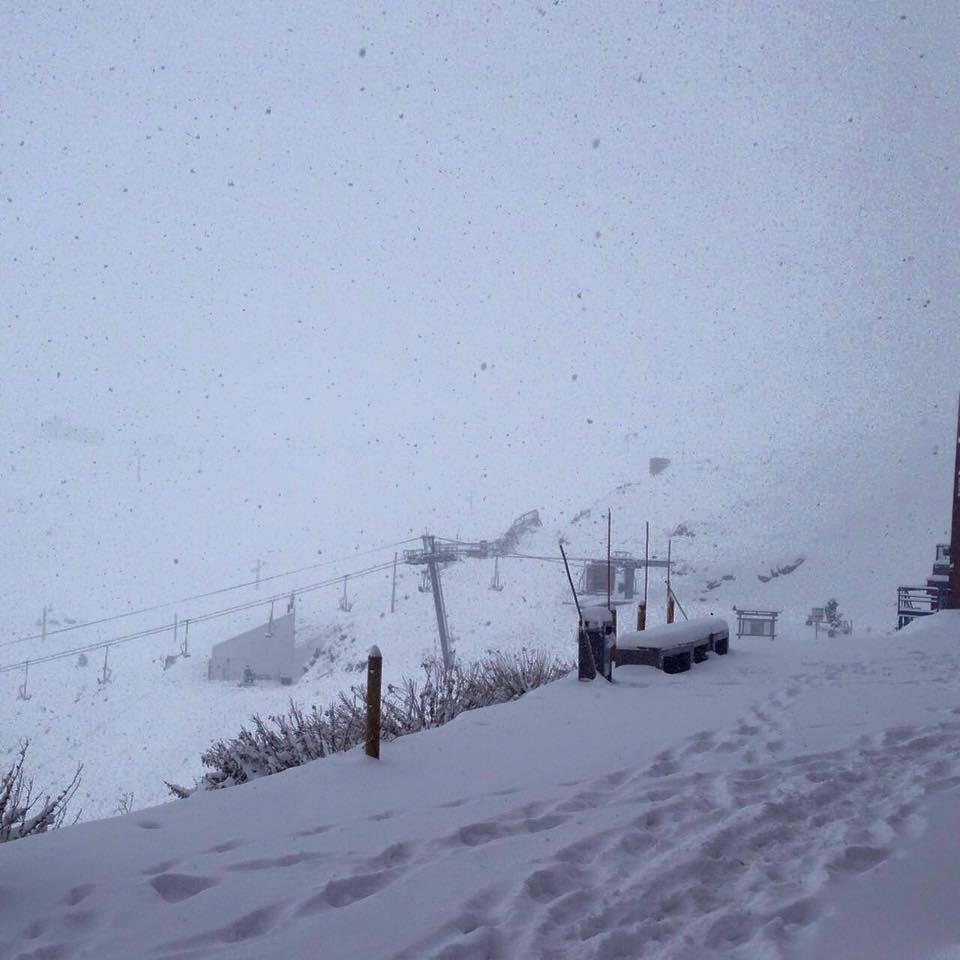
{"x": 267, "y": 652}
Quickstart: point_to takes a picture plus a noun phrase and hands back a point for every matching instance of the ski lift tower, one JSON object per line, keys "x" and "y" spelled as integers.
{"x": 623, "y": 569}
{"x": 432, "y": 555}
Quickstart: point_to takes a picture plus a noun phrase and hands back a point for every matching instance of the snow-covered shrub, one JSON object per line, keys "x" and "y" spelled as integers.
{"x": 508, "y": 676}
{"x": 272, "y": 745}
{"x": 22, "y": 813}
{"x": 442, "y": 693}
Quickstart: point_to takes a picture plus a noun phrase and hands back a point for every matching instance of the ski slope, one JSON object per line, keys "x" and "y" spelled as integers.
{"x": 725, "y": 812}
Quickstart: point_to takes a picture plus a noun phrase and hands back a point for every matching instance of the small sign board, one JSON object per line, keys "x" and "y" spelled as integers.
{"x": 757, "y": 623}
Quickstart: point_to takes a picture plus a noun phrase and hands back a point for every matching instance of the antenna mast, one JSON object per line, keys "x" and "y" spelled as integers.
{"x": 953, "y": 590}
{"x": 609, "y": 523}
{"x": 646, "y": 561}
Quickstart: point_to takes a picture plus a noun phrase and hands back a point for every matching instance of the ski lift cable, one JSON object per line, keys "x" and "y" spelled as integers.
{"x": 202, "y": 596}
{"x": 201, "y": 618}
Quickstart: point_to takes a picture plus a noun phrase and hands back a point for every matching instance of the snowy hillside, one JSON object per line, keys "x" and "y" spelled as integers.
{"x": 790, "y": 800}
{"x": 284, "y": 287}
{"x": 149, "y": 724}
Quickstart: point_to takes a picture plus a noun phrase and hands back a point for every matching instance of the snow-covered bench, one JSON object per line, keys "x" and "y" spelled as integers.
{"x": 673, "y": 647}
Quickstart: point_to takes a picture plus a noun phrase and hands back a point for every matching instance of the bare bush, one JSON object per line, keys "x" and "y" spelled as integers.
{"x": 509, "y": 676}
{"x": 440, "y": 695}
{"x": 21, "y": 812}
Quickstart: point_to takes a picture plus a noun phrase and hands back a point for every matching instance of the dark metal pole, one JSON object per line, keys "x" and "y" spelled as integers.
{"x": 573, "y": 589}
{"x": 609, "y": 525}
{"x": 669, "y": 548}
{"x": 953, "y": 586}
{"x": 646, "y": 561}
{"x": 583, "y": 641}
{"x": 430, "y": 546}
{"x": 669, "y": 587}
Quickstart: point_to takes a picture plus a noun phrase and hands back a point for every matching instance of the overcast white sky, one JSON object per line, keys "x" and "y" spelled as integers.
{"x": 381, "y": 241}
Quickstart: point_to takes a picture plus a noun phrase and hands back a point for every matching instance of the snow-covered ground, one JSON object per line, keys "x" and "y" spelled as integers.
{"x": 774, "y": 803}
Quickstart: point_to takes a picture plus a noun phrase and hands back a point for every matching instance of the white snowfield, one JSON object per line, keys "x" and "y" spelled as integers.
{"x": 718, "y": 813}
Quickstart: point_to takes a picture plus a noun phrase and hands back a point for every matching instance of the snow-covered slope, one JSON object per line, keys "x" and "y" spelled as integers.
{"x": 150, "y": 725}
{"x": 289, "y": 285}
{"x": 718, "y": 813}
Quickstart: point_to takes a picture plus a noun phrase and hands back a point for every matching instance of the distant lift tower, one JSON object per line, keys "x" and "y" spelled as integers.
{"x": 953, "y": 591}
{"x": 432, "y": 556}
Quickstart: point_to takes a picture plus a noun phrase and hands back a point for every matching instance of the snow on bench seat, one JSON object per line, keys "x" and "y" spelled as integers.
{"x": 674, "y": 646}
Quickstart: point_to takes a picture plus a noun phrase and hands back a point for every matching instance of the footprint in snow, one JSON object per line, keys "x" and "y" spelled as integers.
{"x": 175, "y": 887}
{"x": 270, "y": 863}
{"x": 78, "y": 894}
{"x": 249, "y": 926}
{"x": 341, "y": 893}
{"x": 226, "y": 846}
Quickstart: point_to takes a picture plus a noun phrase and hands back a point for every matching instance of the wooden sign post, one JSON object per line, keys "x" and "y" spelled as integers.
{"x": 374, "y": 674}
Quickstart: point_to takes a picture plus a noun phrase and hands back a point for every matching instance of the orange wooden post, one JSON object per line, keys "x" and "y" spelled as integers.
{"x": 374, "y": 673}
{"x": 670, "y": 609}
{"x": 642, "y": 616}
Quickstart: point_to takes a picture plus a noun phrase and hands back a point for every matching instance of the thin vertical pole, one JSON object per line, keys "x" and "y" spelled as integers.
{"x": 587, "y": 664}
{"x": 669, "y": 566}
{"x": 609, "y": 525}
{"x": 43, "y": 626}
{"x": 953, "y": 585}
{"x": 393, "y": 588}
{"x": 573, "y": 589}
{"x": 185, "y": 649}
{"x": 646, "y": 561}
{"x": 175, "y": 625}
{"x": 669, "y": 588}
